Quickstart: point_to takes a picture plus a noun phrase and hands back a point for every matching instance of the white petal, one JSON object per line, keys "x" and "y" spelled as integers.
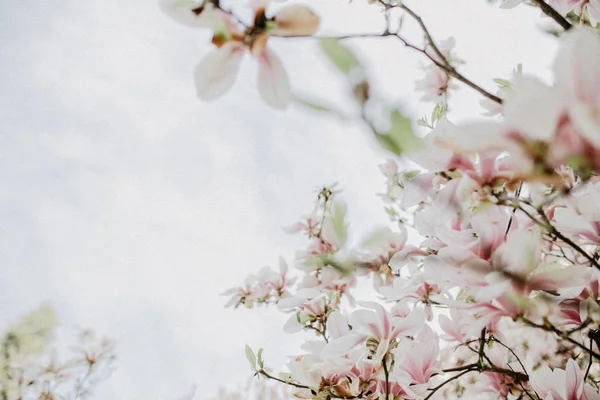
{"x": 577, "y": 65}
{"x": 593, "y": 9}
{"x": 216, "y": 72}
{"x": 273, "y": 81}
{"x": 533, "y": 108}
{"x": 510, "y": 3}
{"x": 292, "y": 325}
{"x": 584, "y": 118}
{"x": 181, "y": 11}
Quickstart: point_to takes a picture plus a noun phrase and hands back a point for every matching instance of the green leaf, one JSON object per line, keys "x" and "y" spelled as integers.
{"x": 503, "y": 83}
{"x": 286, "y": 376}
{"x": 319, "y": 106}
{"x": 251, "y": 357}
{"x": 338, "y": 216}
{"x": 438, "y": 112}
{"x": 259, "y": 356}
{"x": 340, "y": 55}
{"x": 217, "y": 24}
{"x": 400, "y": 138}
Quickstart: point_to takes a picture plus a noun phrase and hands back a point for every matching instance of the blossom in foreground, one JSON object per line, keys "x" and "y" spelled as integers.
{"x": 559, "y": 384}
{"x": 546, "y": 127}
{"x": 217, "y": 71}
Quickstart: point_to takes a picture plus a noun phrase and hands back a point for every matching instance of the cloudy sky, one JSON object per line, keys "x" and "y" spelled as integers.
{"x": 129, "y": 204}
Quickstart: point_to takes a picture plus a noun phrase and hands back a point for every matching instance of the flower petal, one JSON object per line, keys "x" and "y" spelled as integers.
{"x": 573, "y": 381}
{"x": 186, "y": 12}
{"x": 295, "y": 21}
{"x": 577, "y": 65}
{"x": 216, "y": 72}
{"x": 273, "y": 81}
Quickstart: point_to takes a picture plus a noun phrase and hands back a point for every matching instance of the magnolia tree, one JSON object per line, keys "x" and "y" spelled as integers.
{"x": 498, "y": 298}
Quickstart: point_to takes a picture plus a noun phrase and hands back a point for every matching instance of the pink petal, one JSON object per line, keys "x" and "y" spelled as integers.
{"x": 216, "y": 72}
{"x": 273, "y": 81}
{"x": 573, "y": 381}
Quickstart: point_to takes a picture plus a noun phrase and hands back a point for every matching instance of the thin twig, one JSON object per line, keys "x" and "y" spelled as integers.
{"x": 587, "y": 371}
{"x": 267, "y": 375}
{"x": 435, "y": 389}
{"x": 552, "y": 13}
{"x": 387, "y": 378}
{"x": 444, "y": 63}
{"x": 562, "y": 335}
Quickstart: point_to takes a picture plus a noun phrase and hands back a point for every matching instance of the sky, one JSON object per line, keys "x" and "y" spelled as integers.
{"x": 129, "y": 205}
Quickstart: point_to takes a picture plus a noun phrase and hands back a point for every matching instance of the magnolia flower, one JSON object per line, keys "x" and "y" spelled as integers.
{"x": 381, "y": 328}
{"x": 547, "y": 126}
{"x": 217, "y": 71}
{"x": 561, "y": 384}
{"x": 436, "y": 82}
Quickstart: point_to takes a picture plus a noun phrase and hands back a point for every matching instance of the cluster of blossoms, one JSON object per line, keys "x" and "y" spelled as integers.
{"x": 498, "y": 298}
{"x": 32, "y": 370}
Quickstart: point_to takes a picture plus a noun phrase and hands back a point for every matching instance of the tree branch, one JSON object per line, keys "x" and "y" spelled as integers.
{"x": 552, "y": 13}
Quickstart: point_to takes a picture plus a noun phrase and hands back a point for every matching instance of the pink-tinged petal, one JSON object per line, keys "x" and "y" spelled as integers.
{"x": 295, "y": 228}
{"x": 585, "y": 119}
{"x": 283, "y": 267}
{"x": 541, "y": 381}
{"x": 337, "y": 325}
{"x": 560, "y": 278}
{"x": 295, "y": 21}
{"x": 577, "y": 65}
{"x": 573, "y": 381}
{"x": 451, "y": 328}
{"x": 273, "y": 81}
{"x": 186, "y": 12}
{"x": 217, "y": 71}
{"x": 590, "y": 394}
{"x": 402, "y": 257}
{"x": 409, "y": 326}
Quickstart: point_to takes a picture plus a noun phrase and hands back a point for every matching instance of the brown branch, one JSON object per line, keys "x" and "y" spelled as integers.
{"x": 267, "y": 375}
{"x": 547, "y": 326}
{"x": 444, "y": 63}
{"x": 435, "y": 389}
{"x": 552, "y": 13}
{"x": 547, "y": 225}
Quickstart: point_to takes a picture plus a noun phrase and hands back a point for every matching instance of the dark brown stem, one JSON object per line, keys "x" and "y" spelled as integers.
{"x": 587, "y": 371}
{"x": 267, "y": 375}
{"x": 443, "y": 61}
{"x": 387, "y": 378}
{"x": 441, "y": 385}
{"x": 552, "y": 13}
{"x": 562, "y": 335}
